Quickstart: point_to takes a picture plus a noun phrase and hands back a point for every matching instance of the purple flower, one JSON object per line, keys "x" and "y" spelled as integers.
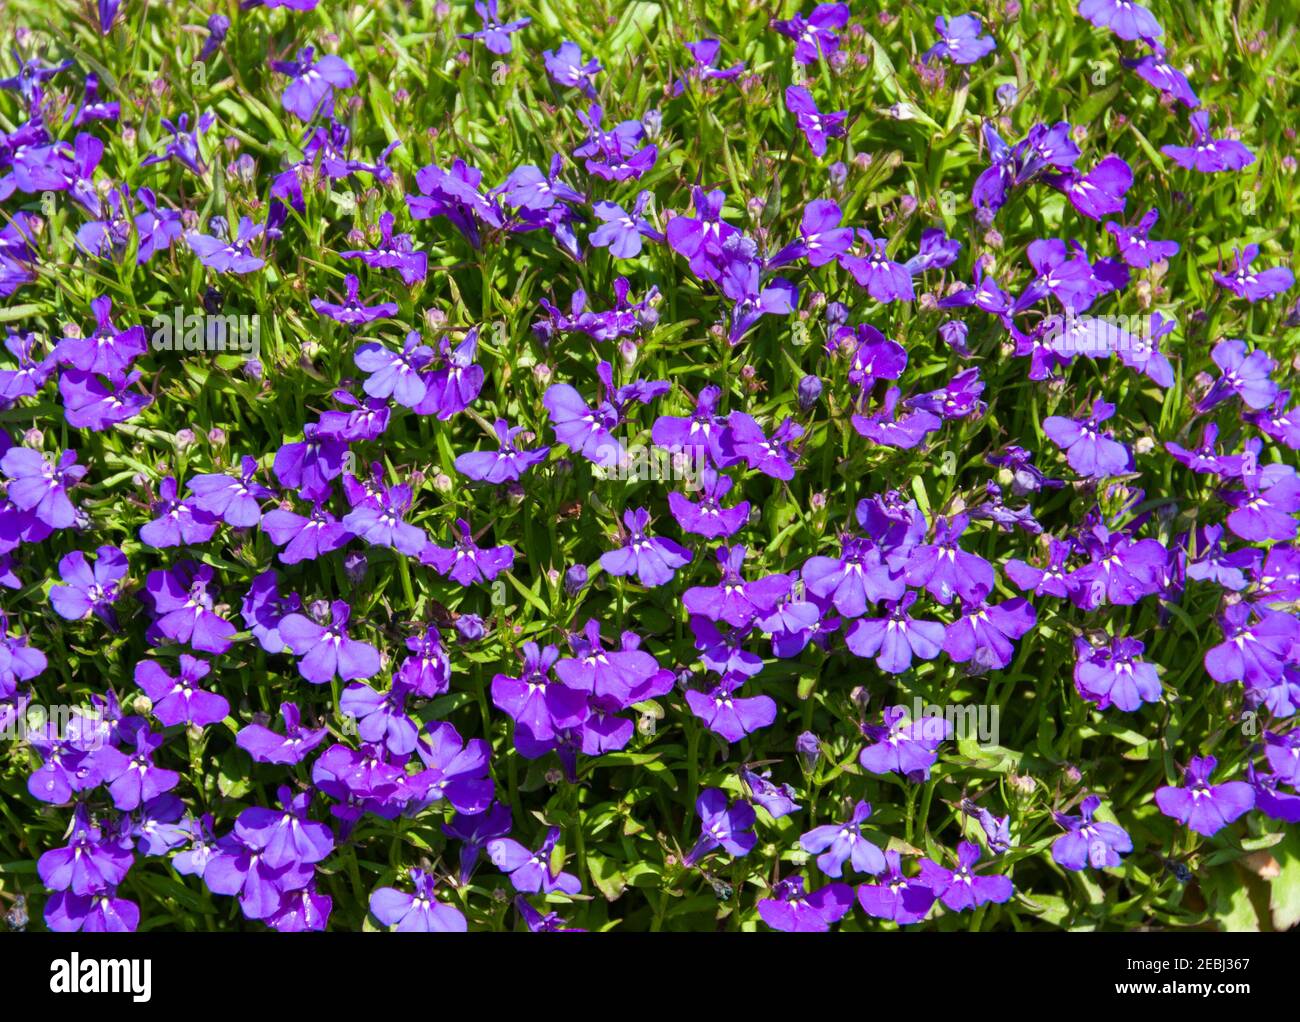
{"x": 265, "y": 746}
{"x": 1204, "y": 807}
{"x": 312, "y": 90}
{"x": 304, "y": 538}
{"x": 285, "y": 836}
{"x": 456, "y": 383}
{"x": 457, "y": 195}
{"x": 1090, "y": 451}
{"x": 420, "y": 912}
{"x": 504, "y": 465}
{"x": 960, "y": 40}
{"x": 985, "y": 633}
{"x": 791, "y": 910}
{"x": 708, "y": 517}
{"x": 904, "y": 746}
{"x": 379, "y": 521}
{"x": 885, "y": 280}
{"x": 353, "y": 312}
{"x": 87, "y": 590}
{"x": 177, "y": 524}
{"x": 39, "y": 483}
{"x": 943, "y": 569}
{"x": 722, "y": 826}
{"x": 495, "y": 34}
{"x": 229, "y": 256}
{"x": 474, "y": 832}
{"x": 705, "y": 54}
{"x": 1115, "y": 673}
{"x": 395, "y": 252}
{"x": 816, "y": 126}
{"x": 1252, "y": 653}
{"x": 181, "y": 700}
{"x": 1156, "y": 71}
{"x": 1255, "y": 286}
{"x": 92, "y": 862}
{"x": 1126, "y": 19}
{"x": 236, "y": 500}
{"x": 621, "y": 232}
{"x": 652, "y": 559}
{"x": 603, "y": 673}
{"x": 182, "y": 603}
{"x": 815, "y": 36}
{"x": 728, "y": 715}
{"x": 1135, "y": 245}
{"x": 107, "y": 351}
{"x": 328, "y": 650}
{"x": 1208, "y": 155}
{"x": 841, "y": 842}
{"x": 1087, "y": 842}
{"x": 132, "y": 778}
{"x": 529, "y": 871}
{"x": 1100, "y": 192}
{"x": 427, "y": 671}
{"x": 540, "y": 707}
{"x": 466, "y": 562}
{"x": 97, "y": 913}
{"x": 237, "y": 867}
{"x": 566, "y": 67}
{"x": 893, "y": 640}
{"x": 895, "y": 897}
{"x": 962, "y": 888}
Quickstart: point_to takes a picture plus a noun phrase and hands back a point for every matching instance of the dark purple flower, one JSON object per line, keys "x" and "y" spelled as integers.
{"x": 1204, "y": 807}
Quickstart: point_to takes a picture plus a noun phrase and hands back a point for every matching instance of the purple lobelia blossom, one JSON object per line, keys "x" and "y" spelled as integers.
{"x": 857, "y": 577}
{"x": 380, "y": 522}
{"x": 1136, "y": 246}
{"x": 86, "y": 590}
{"x": 617, "y": 154}
{"x": 238, "y": 867}
{"x": 39, "y": 483}
{"x": 1209, "y": 155}
{"x": 841, "y": 842}
{"x": 474, "y": 832}
{"x": 815, "y": 36}
{"x": 286, "y": 837}
{"x": 1156, "y": 71}
{"x": 394, "y": 252}
{"x": 310, "y": 464}
{"x": 539, "y": 706}
{"x": 265, "y": 746}
{"x": 131, "y": 777}
{"x": 353, "y": 312}
{"x": 566, "y": 68}
{"x": 705, "y": 53}
{"x": 32, "y": 372}
{"x": 1090, "y": 450}
{"x": 1122, "y": 570}
{"x": 1266, "y": 506}
{"x": 530, "y": 189}
{"x": 728, "y": 715}
{"x": 1115, "y": 673}
{"x": 455, "y": 383}
{"x": 381, "y": 716}
{"x": 734, "y": 600}
{"x": 741, "y": 281}
{"x": 1283, "y": 755}
{"x": 236, "y": 500}
{"x": 1089, "y": 842}
{"x": 1254, "y": 286}
{"x": 312, "y": 90}
{"x": 904, "y": 746}
{"x": 1127, "y": 19}
{"x": 304, "y": 538}
{"x": 708, "y": 517}
{"x": 1253, "y": 652}
{"x": 1208, "y": 561}
{"x": 895, "y": 897}
{"x": 1100, "y": 192}
{"x": 893, "y": 640}
{"x": 495, "y": 34}
{"x": 621, "y": 231}
{"x": 816, "y": 126}
{"x": 65, "y": 767}
{"x": 395, "y": 374}
{"x": 467, "y": 562}
{"x": 92, "y": 861}
{"x": 531, "y": 872}
{"x": 985, "y": 634}
{"x": 944, "y": 570}
{"x": 427, "y": 671}
{"x": 722, "y": 825}
{"x": 654, "y": 560}
{"x": 457, "y": 195}
{"x": 792, "y": 910}
{"x": 103, "y": 912}
{"x": 182, "y": 602}
{"x": 777, "y": 800}
{"x": 95, "y": 403}
{"x": 418, "y": 912}
{"x": 821, "y": 238}
{"x": 963, "y": 888}
{"x": 233, "y": 256}
{"x": 178, "y": 523}
{"x": 326, "y": 650}
{"x": 960, "y": 40}
{"x": 181, "y": 699}
{"x": 885, "y": 280}
{"x": 504, "y": 465}
{"x": 700, "y": 238}
{"x": 107, "y": 350}
{"x": 601, "y": 672}
{"x": 1204, "y": 807}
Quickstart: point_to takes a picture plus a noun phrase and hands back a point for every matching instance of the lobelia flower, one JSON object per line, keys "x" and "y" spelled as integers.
{"x": 776, "y": 799}
{"x": 456, "y": 383}
{"x": 816, "y": 126}
{"x": 705, "y": 53}
{"x": 1135, "y": 245}
{"x": 985, "y": 633}
{"x": 1243, "y": 374}
{"x": 1204, "y": 807}
{"x": 32, "y": 372}
{"x": 177, "y": 524}
{"x": 531, "y": 872}
{"x": 1269, "y": 800}
{"x": 1090, "y": 451}
{"x": 708, "y": 517}
{"x": 893, "y": 640}
{"x": 236, "y": 500}
{"x": 65, "y": 768}
{"x": 285, "y": 836}
{"x": 181, "y": 700}
{"x": 1100, "y": 192}
{"x": 455, "y": 194}
{"x": 885, "y": 280}
{"x": 841, "y": 842}
{"x": 381, "y": 716}
{"x": 183, "y": 608}
{"x": 302, "y": 911}
{"x": 310, "y": 464}
{"x": 615, "y": 155}
{"x": 229, "y": 256}
{"x": 466, "y": 562}
{"x": 86, "y": 590}
{"x": 39, "y": 483}
{"x": 859, "y": 576}
{"x": 132, "y": 778}
{"x": 495, "y": 34}
{"x": 312, "y": 90}
{"x": 962, "y": 888}
{"x": 474, "y": 832}
{"x": 1127, "y": 19}
{"x": 1156, "y": 71}
{"x": 236, "y": 867}
{"x": 218, "y": 27}
{"x": 1089, "y": 842}
{"x": 103, "y": 912}
{"x": 419, "y": 912}
{"x": 1208, "y": 561}
{"x": 654, "y": 560}
{"x": 504, "y": 465}
{"x": 960, "y": 40}
{"x": 380, "y": 522}
{"x": 904, "y": 746}
{"x": 90, "y": 403}
{"x": 538, "y": 923}
{"x": 728, "y": 715}
{"x": 92, "y": 862}
{"x": 895, "y": 897}
{"x": 566, "y": 68}
{"x": 937, "y": 251}
{"x": 791, "y": 910}
{"x": 816, "y": 35}
{"x": 1266, "y": 507}
{"x": 304, "y": 538}
{"x": 1252, "y": 653}
{"x": 395, "y": 252}
{"x": 354, "y": 313}
{"x": 1115, "y": 673}
{"x": 106, "y": 351}
{"x": 734, "y": 600}
{"x": 529, "y": 189}
{"x": 265, "y": 746}
{"x": 943, "y": 569}
{"x": 539, "y": 706}
{"x": 1209, "y": 155}
{"x": 1254, "y": 286}
{"x": 327, "y": 650}
{"x": 700, "y": 238}
{"x": 725, "y": 826}
{"x": 601, "y": 672}
{"x": 1283, "y": 755}
{"x": 621, "y": 232}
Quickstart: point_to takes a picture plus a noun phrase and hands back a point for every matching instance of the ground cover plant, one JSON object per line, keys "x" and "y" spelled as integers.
{"x": 649, "y": 466}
